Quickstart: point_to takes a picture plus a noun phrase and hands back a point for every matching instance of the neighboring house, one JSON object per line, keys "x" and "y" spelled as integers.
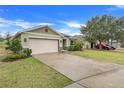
{"x": 114, "y": 44}
{"x": 43, "y": 39}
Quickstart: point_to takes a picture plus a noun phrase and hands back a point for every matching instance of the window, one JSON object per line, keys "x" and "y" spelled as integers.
{"x": 25, "y": 39}
{"x": 46, "y": 30}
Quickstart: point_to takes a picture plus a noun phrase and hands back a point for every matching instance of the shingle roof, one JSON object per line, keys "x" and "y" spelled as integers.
{"x": 33, "y": 28}
{"x": 64, "y": 35}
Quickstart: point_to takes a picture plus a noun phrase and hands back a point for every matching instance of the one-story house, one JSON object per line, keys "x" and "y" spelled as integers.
{"x": 43, "y": 39}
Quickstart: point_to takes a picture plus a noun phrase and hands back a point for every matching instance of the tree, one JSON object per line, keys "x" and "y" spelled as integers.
{"x": 95, "y": 30}
{"x": 103, "y": 28}
{"x": 1, "y": 38}
{"x": 8, "y": 36}
{"x": 119, "y": 35}
{"x": 15, "y": 46}
{"x": 87, "y": 31}
{"x": 115, "y": 29}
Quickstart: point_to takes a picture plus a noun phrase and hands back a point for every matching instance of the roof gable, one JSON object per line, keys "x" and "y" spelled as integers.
{"x": 34, "y": 29}
{"x": 43, "y": 29}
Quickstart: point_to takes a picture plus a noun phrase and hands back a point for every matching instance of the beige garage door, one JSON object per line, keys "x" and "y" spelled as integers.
{"x": 39, "y": 46}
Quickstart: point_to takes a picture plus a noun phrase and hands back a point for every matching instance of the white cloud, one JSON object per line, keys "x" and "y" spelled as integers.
{"x": 69, "y": 31}
{"x": 116, "y": 7}
{"x": 15, "y": 31}
{"x": 20, "y": 23}
{"x": 3, "y": 25}
{"x": 72, "y": 28}
{"x": 46, "y": 24}
{"x": 65, "y": 31}
{"x": 111, "y": 9}
{"x": 25, "y": 24}
{"x": 3, "y": 33}
{"x": 72, "y": 24}
{"x": 120, "y": 6}
{"x": 76, "y": 33}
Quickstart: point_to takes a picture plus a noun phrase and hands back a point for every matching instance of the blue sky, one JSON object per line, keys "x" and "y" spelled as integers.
{"x": 65, "y": 19}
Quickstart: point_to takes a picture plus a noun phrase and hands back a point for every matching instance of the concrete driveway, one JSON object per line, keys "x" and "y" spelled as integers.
{"x": 85, "y": 72}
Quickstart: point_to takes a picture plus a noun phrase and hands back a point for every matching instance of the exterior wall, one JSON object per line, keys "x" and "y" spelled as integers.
{"x": 42, "y": 31}
{"x": 29, "y": 35}
{"x": 61, "y": 43}
{"x": 86, "y": 44}
{"x": 118, "y": 45}
{"x": 115, "y": 44}
{"x": 68, "y": 41}
{"x": 39, "y": 46}
{"x": 24, "y": 44}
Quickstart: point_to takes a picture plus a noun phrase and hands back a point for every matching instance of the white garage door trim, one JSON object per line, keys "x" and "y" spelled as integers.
{"x": 40, "y": 46}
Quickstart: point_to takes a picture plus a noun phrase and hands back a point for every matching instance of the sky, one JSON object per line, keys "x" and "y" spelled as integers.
{"x": 62, "y": 18}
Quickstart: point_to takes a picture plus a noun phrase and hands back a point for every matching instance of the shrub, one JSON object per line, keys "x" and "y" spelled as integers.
{"x": 24, "y": 53}
{"x": 76, "y": 46}
{"x": 17, "y": 51}
{"x": 71, "y": 48}
{"x": 27, "y": 52}
{"x": 15, "y": 46}
{"x": 65, "y": 48}
{"x": 12, "y": 57}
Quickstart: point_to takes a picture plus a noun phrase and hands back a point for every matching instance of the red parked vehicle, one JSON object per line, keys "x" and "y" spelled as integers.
{"x": 105, "y": 47}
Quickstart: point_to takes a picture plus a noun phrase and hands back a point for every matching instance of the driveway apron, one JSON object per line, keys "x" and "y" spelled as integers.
{"x": 86, "y": 72}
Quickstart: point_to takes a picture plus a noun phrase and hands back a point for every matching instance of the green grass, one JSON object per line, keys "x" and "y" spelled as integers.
{"x": 30, "y": 73}
{"x": 106, "y": 56}
{"x": 2, "y": 48}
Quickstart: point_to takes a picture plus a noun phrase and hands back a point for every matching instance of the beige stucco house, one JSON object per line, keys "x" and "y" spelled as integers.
{"x": 43, "y": 39}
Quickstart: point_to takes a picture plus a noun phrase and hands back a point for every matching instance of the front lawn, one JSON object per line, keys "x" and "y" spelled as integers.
{"x": 2, "y": 48}
{"x": 107, "y": 56}
{"x": 30, "y": 73}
